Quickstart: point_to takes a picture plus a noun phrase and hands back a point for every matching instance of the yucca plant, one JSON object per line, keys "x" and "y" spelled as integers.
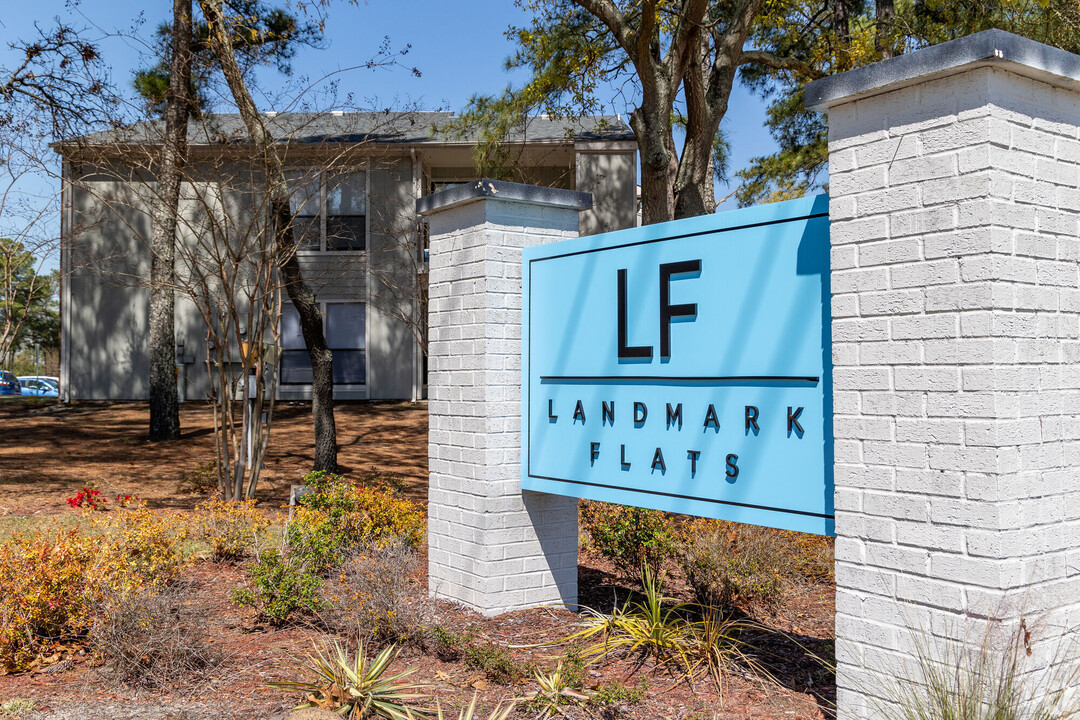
{"x": 655, "y": 627}
{"x": 501, "y": 712}
{"x": 715, "y": 642}
{"x": 355, "y": 688}
{"x": 554, "y": 690}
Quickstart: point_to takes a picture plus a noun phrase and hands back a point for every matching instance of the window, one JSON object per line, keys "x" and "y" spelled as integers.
{"x": 344, "y": 325}
{"x": 330, "y": 210}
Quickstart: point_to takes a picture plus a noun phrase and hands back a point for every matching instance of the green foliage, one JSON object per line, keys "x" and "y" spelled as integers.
{"x": 495, "y": 661}
{"x": 682, "y": 637}
{"x": 355, "y": 688}
{"x": 29, "y": 309}
{"x": 14, "y": 709}
{"x": 803, "y": 33}
{"x": 614, "y": 693}
{"x": 628, "y": 536}
{"x": 450, "y": 645}
{"x": 574, "y": 668}
{"x": 335, "y": 517}
{"x": 279, "y": 589}
{"x": 261, "y": 35}
{"x": 569, "y": 53}
{"x": 727, "y": 562}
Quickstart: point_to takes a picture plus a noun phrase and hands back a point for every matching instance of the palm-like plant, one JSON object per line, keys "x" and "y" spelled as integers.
{"x": 554, "y": 690}
{"x": 654, "y": 627}
{"x": 355, "y": 688}
{"x": 501, "y": 712}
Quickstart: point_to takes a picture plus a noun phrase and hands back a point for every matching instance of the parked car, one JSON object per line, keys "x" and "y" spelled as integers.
{"x": 9, "y": 384}
{"x": 39, "y": 386}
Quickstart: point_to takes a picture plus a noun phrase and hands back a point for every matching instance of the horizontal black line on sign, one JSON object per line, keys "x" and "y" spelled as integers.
{"x": 734, "y": 379}
{"x": 685, "y": 497}
{"x": 650, "y": 241}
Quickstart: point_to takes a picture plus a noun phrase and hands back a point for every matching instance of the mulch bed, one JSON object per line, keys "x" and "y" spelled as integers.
{"x": 48, "y": 451}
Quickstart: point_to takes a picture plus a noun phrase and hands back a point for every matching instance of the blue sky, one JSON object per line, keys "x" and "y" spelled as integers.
{"x": 460, "y": 49}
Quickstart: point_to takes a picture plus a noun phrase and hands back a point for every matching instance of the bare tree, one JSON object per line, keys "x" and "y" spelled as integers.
{"x": 300, "y": 293}
{"x": 228, "y": 271}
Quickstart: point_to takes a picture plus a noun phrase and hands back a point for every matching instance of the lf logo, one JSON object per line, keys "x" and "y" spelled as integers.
{"x": 668, "y": 312}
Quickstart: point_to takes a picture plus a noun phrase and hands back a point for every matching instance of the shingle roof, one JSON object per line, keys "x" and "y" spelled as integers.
{"x": 388, "y": 127}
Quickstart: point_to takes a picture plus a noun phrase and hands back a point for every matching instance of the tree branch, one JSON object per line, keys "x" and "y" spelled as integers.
{"x": 776, "y": 62}
{"x": 608, "y": 13}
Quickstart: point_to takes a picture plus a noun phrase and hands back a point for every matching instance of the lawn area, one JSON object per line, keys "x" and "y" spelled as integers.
{"x": 48, "y": 452}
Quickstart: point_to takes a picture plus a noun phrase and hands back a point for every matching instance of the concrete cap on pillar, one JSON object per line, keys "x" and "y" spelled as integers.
{"x": 990, "y": 47}
{"x": 486, "y": 189}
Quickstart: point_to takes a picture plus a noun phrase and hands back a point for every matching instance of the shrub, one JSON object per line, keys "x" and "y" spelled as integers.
{"x": 46, "y": 586}
{"x": 495, "y": 661}
{"x": 230, "y": 528}
{"x": 201, "y": 479}
{"x": 14, "y": 709}
{"x": 450, "y": 645}
{"x": 378, "y": 596}
{"x": 89, "y": 498}
{"x": 628, "y": 536}
{"x": 148, "y": 638}
{"x": 280, "y": 587}
{"x": 148, "y": 544}
{"x": 614, "y": 693}
{"x": 49, "y": 582}
{"x": 725, "y": 562}
{"x": 728, "y": 561}
{"x": 336, "y": 516}
{"x": 314, "y": 537}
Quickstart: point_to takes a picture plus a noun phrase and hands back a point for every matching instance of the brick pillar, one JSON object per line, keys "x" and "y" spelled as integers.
{"x": 955, "y": 186}
{"x": 491, "y": 546}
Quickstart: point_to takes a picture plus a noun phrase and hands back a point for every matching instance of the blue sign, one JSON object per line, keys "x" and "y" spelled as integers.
{"x": 685, "y": 367}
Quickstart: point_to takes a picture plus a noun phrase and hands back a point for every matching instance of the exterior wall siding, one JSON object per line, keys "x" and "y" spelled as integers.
{"x": 107, "y": 249}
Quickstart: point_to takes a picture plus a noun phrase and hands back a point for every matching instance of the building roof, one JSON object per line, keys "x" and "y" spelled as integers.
{"x": 341, "y": 127}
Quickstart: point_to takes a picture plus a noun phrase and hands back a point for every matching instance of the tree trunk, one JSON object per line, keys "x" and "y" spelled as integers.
{"x": 656, "y": 197}
{"x": 300, "y": 294}
{"x": 842, "y": 31}
{"x": 164, "y": 409}
{"x": 693, "y": 189}
{"x": 884, "y": 42}
{"x": 707, "y": 83}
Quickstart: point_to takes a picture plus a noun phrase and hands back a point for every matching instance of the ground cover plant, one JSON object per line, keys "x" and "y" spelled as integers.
{"x": 371, "y": 589}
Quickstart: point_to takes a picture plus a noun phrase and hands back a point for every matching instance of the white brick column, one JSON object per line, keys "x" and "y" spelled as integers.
{"x": 955, "y": 187}
{"x": 491, "y": 545}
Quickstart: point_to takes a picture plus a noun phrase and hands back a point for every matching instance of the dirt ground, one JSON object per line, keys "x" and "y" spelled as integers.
{"x": 48, "y": 451}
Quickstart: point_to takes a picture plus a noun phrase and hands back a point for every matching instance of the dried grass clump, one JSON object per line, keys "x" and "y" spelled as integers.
{"x": 149, "y": 639}
{"x": 378, "y": 597}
